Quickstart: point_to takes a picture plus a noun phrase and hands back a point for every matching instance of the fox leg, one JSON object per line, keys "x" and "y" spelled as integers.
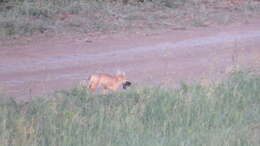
{"x": 105, "y": 90}
{"x": 113, "y": 88}
{"x": 92, "y": 87}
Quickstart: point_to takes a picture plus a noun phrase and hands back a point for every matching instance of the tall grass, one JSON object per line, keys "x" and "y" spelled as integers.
{"x": 215, "y": 115}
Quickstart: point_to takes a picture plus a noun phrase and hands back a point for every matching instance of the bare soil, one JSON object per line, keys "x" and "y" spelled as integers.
{"x": 39, "y": 65}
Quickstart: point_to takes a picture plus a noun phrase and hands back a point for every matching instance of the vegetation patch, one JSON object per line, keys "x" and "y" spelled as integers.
{"x": 227, "y": 113}
{"x": 26, "y": 17}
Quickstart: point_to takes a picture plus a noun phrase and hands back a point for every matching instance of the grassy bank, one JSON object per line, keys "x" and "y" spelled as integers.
{"x": 214, "y": 115}
{"x": 27, "y": 17}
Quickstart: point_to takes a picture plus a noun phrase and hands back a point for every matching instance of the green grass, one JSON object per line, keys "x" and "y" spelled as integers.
{"x": 28, "y": 17}
{"x": 214, "y": 115}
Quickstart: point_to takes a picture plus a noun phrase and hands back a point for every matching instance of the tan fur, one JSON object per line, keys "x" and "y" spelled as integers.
{"x": 108, "y": 82}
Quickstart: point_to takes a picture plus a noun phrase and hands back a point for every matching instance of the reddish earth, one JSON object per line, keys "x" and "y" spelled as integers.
{"x": 35, "y": 66}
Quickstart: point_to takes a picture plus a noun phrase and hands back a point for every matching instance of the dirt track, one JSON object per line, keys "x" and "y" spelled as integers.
{"x": 159, "y": 58}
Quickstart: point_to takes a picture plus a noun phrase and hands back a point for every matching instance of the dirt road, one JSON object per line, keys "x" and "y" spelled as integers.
{"x": 41, "y": 65}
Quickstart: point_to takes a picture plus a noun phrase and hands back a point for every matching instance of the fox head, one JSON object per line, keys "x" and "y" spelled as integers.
{"x": 126, "y": 84}
{"x": 122, "y": 77}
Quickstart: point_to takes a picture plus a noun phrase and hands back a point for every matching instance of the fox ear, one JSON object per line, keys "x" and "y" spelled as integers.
{"x": 119, "y": 72}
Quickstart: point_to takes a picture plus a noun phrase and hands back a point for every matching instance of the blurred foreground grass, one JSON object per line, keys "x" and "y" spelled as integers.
{"x": 214, "y": 115}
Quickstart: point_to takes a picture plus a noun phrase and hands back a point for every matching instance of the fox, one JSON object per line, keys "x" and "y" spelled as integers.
{"x": 107, "y": 81}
